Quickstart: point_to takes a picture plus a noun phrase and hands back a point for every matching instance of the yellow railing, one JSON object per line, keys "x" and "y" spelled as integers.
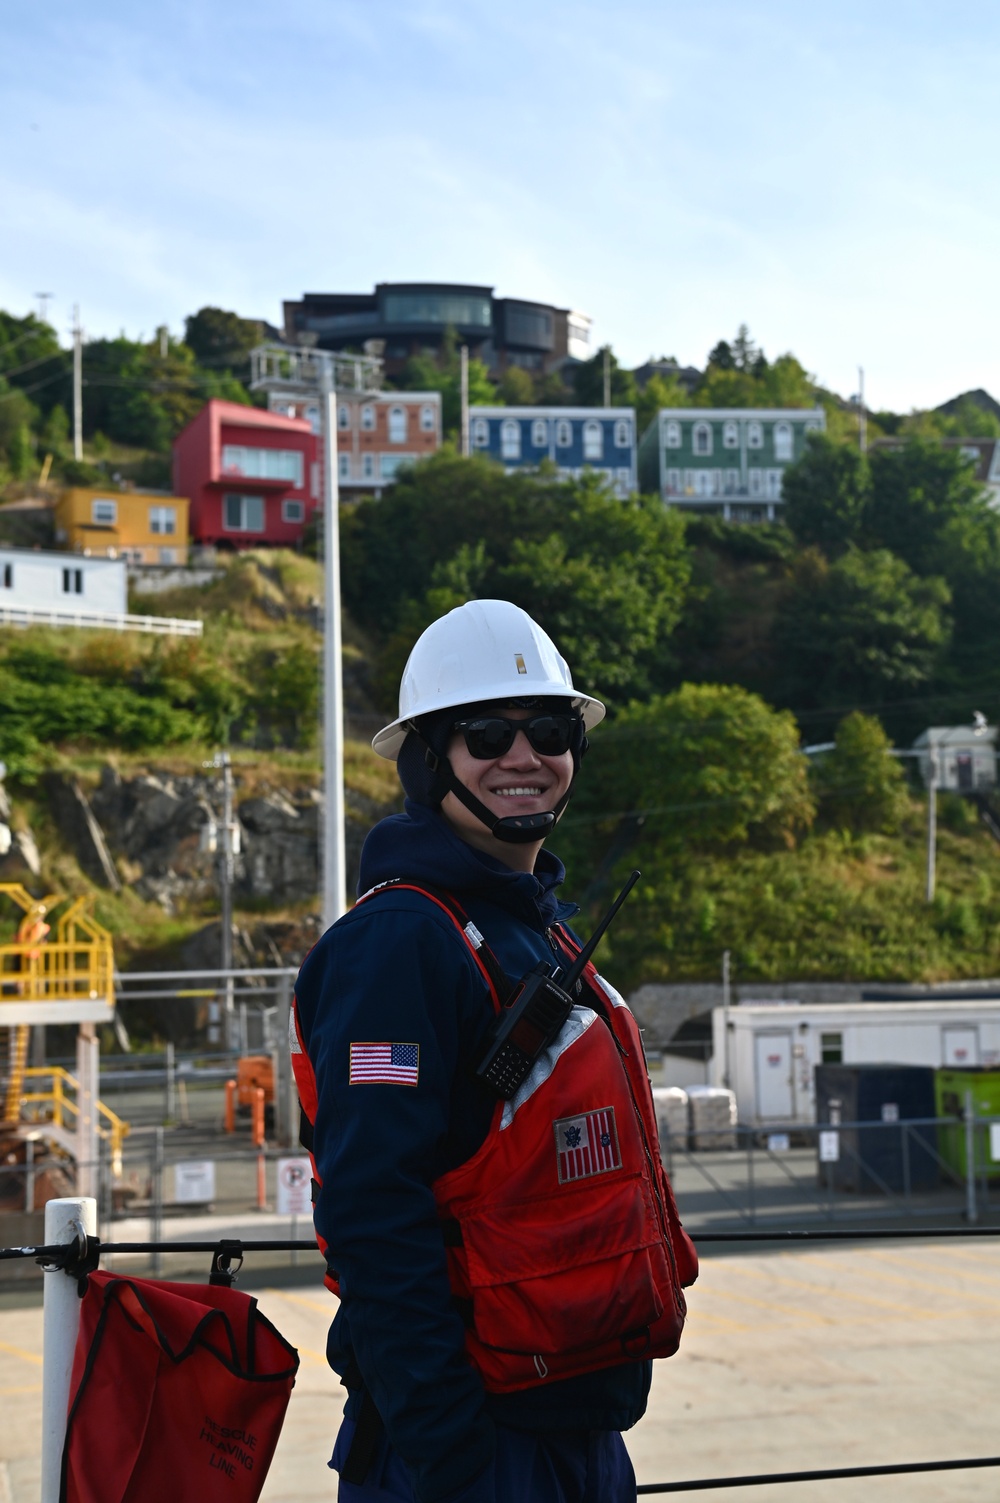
{"x": 63, "y": 1107}
{"x": 76, "y": 962}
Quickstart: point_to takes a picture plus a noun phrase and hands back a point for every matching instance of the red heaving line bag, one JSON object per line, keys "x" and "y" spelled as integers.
{"x": 178, "y": 1393}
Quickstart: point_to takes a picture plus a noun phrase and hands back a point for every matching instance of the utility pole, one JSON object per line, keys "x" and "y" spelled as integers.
{"x": 334, "y": 856}
{"x": 725, "y": 1019}
{"x": 862, "y": 426}
{"x": 607, "y": 376}
{"x": 931, "y": 826}
{"x": 164, "y": 342}
{"x": 77, "y": 384}
{"x": 464, "y": 369}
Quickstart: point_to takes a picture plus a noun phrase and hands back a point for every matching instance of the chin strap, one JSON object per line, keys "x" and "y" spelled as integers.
{"x": 512, "y": 829}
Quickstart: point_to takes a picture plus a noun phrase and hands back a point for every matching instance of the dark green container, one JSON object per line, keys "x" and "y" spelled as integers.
{"x": 950, "y": 1087}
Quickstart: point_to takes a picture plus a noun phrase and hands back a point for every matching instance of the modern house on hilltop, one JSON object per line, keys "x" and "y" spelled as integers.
{"x": 726, "y": 461}
{"x": 400, "y": 319}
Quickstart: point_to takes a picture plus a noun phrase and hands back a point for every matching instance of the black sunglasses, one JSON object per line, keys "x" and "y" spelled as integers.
{"x": 489, "y": 736}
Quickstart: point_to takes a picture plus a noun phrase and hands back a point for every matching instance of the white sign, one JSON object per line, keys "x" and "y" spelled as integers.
{"x": 778, "y": 1142}
{"x": 294, "y": 1187}
{"x": 995, "y": 1142}
{"x": 890, "y": 1111}
{"x": 829, "y": 1147}
{"x": 194, "y": 1181}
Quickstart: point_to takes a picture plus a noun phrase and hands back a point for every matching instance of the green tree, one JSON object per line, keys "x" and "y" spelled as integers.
{"x": 861, "y": 787}
{"x": 860, "y": 630}
{"x": 659, "y": 391}
{"x": 426, "y": 372}
{"x": 922, "y": 495}
{"x": 588, "y": 382}
{"x": 707, "y": 767}
{"x": 605, "y": 577}
{"x": 17, "y": 415}
{"x": 828, "y": 495}
{"x": 55, "y": 430}
{"x": 31, "y": 358}
{"x": 222, "y": 341}
{"x": 517, "y": 389}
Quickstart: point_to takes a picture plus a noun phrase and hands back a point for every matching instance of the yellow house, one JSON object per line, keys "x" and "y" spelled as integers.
{"x": 143, "y": 527}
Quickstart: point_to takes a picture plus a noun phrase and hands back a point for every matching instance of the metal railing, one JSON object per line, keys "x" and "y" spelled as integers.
{"x": 63, "y": 1106}
{"x": 43, "y": 615}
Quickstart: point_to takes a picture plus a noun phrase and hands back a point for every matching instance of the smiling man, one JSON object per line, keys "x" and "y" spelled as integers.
{"x": 507, "y": 1260}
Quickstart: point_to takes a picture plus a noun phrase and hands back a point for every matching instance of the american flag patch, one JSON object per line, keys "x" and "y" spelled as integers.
{"x": 587, "y": 1145}
{"x": 385, "y": 1064}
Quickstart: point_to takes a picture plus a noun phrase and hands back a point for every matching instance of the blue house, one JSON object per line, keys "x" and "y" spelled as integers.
{"x": 601, "y": 440}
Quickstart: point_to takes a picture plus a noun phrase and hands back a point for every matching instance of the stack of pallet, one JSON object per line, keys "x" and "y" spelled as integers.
{"x": 712, "y": 1114}
{"x": 671, "y": 1104}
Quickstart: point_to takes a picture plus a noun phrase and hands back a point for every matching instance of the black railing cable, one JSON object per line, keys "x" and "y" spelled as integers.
{"x": 80, "y": 1256}
{"x": 829, "y": 1474}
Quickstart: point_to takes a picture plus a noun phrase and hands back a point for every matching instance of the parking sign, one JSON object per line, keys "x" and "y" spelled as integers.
{"x": 294, "y": 1187}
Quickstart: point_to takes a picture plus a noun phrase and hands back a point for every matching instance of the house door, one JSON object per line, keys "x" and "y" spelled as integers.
{"x": 960, "y": 1046}
{"x": 775, "y": 1092}
{"x": 963, "y": 767}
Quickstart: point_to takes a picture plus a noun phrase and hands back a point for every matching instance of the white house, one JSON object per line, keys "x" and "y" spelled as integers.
{"x": 70, "y": 589}
{"x": 62, "y": 582}
{"x": 963, "y": 757}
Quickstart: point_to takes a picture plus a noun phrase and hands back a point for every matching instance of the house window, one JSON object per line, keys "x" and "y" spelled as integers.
{"x": 831, "y": 1048}
{"x": 564, "y": 434}
{"x": 481, "y": 433}
{"x": 428, "y": 419}
{"x": 389, "y": 464}
{"x": 344, "y": 466}
{"x": 263, "y": 464}
{"x": 732, "y": 482}
{"x": 368, "y": 466}
{"x": 623, "y": 435}
{"x": 756, "y": 478}
{"x": 343, "y": 416}
{"x": 623, "y": 478}
{"x": 772, "y": 484}
{"x": 295, "y": 511}
{"x": 72, "y": 581}
{"x": 673, "y": 435}
{"x": 539, "y": 433}
{"x": 163, "y": 520}
{"x": 703, "y": 482}
{"x": 593, "y": 441}
{"x": 168, "y": 555}
{"x": 103, "y": 513}
{"x": 730, "y": 436}
{"x": 397, "y": 425}
{"x": 368, "y": 418}
{"x": 702, "y": 438}
{"x": 673, "y": 482}
{"x": 7, "y": 576}
{"x": 783, "y": 441}
{"x": 510, "y": 440}
{"x": 755, "y": 436}
{"x": 243, "y": 513}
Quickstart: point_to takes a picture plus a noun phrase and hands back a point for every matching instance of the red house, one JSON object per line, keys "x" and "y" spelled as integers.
{"x": 252, "y": 476}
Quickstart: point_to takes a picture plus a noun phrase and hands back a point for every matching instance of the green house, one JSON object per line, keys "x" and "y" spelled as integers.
{"x": 724, "y": 461}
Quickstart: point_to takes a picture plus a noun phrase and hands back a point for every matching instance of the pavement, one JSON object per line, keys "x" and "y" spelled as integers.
{"x": 803, "y": 1358}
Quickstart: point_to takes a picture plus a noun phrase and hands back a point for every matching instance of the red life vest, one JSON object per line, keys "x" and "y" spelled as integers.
{"x": 565, "y": 1249}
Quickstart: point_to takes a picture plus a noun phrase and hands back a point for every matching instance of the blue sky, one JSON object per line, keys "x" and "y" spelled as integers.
{"x": 824, "y": 174}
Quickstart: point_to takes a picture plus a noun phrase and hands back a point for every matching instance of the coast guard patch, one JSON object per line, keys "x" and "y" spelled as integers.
{"x": 587, "y": 1145}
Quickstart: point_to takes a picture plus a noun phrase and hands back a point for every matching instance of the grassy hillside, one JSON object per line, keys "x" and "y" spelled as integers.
{"x": 829, "y": 906}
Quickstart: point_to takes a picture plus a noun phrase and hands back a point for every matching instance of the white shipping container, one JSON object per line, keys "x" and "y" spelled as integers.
{"x": 774, "y": 1047}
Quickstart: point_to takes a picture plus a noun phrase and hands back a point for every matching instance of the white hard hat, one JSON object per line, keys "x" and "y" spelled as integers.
{"x": 486, "y": 651}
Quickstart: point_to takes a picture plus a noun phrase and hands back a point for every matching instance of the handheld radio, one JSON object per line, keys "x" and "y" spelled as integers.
{"x": 535, "y": 1013}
